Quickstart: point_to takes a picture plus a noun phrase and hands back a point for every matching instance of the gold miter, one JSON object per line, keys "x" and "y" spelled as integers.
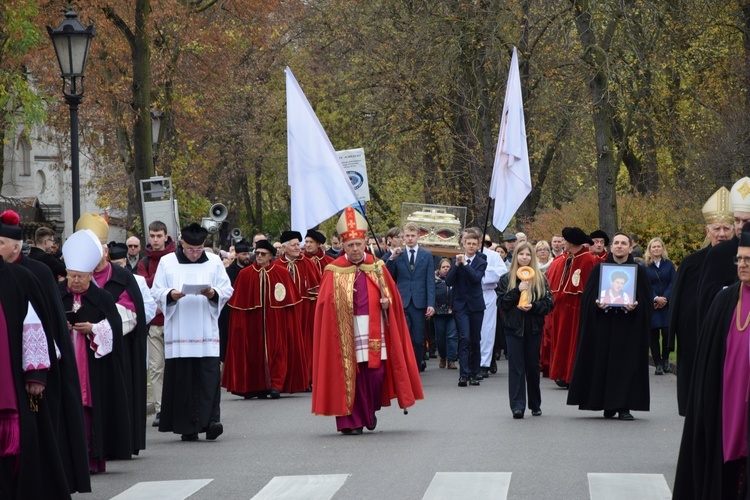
{"x": 739, "y": 196}
{"x": 95, "y": 223}
{"x": 718, "y": 208}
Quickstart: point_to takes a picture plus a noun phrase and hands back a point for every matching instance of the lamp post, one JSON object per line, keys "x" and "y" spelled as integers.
{"x": 72, "y": 41}
{"x": 156, "y": 119}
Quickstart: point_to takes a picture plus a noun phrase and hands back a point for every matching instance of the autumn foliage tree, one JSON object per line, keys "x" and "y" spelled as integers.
{"x": 623, "y": 100}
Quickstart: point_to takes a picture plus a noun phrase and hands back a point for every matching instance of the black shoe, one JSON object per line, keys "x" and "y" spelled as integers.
{"x": 352, "y": 432}
{"x": 190, "y": 437}
{"x": 561, "y": 383}
{"x": 157, "y": 419}
{"x": 463, "y": 382}
{"x": 426, "y": 356}
{"x": 215, "y": 429}
{"x": 517, "y": 414}
{"x": 274, "y": 393}
{"x": 493, "y": 366}
{"x": 474, "y": 381}
{"x": 626, "y": 415}
{"x": 485, "y": 372}
{"x": 433, "y": 355}
{"x": 659, "y": 369}
{"x": 609, "y": 413}
{"x": 536, "y": 413}
{"x": 667, "y": 366}
{"x": 374, "y": 423}
{"x": 423, "y": 366}
{"x": 478, "y": 376}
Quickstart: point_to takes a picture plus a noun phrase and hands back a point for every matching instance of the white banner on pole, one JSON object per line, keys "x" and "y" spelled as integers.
{"x": 355, "y": 167}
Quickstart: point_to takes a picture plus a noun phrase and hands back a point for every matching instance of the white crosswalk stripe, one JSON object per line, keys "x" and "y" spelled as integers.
{"x": 319, "y": 487}
{"x": 451, "y": 485}
{"x": 444, "y": 485}
{"x": 628, "y": 486}
{"x": 163, "y": 490}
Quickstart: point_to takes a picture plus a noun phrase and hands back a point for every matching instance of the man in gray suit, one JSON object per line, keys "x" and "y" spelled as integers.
{"x": 413, "y": 270}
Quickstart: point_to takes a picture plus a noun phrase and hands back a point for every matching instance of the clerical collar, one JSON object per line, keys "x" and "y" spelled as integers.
{"x": 182, "y": 258}
{"x": 355, "y": 263}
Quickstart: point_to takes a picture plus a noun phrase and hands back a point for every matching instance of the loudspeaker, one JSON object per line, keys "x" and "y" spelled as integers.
{"x": 219, "y": 212}
{"x": 236, "y": 234}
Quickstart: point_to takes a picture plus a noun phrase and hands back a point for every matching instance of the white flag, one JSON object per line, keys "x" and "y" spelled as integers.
{"x": 319, "y": 184}
{"x": 511, "y": 177}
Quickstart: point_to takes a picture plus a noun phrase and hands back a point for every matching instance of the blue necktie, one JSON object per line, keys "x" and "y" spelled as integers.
{"x": 411, "y": 258}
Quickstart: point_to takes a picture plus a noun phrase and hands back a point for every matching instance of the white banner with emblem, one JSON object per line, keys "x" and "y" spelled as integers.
{"x": 355, "y": 167}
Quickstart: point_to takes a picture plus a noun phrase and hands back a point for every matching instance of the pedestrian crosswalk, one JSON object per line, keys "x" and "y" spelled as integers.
{"x": 451, "y": 485}
{"x": 164, "y": 490}
{"x": 444, "y": 485}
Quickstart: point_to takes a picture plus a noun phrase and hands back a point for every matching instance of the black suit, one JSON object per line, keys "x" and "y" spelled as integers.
{"x": 468, "y": 311}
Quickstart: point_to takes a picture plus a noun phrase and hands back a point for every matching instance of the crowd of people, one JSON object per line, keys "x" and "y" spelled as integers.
{"x": 356, "y": 323}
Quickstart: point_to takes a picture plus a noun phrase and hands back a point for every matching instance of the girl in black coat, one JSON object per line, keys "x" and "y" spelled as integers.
{"x": 523, "y": 330}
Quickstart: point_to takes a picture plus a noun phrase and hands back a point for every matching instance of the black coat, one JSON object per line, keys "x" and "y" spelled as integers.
{"x": 40, "y": 471}
{"x": 134, "y": 353}
{"x": 611, "y": 367}
{"x": 699, "y": 463}
{"x": 71, "y": 429}
{"x": 718, "y": 272}
{"x": 233, "y": 270}
{"x": 683, "y": 321}
{"x": 513, "y": 318}
{"x": 110, "y": 422}
{"x": 55, "y": 265}
{"x": 661, "y": 280}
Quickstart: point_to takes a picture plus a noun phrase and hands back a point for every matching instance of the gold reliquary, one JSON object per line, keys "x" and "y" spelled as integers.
{"x": 439, "y": 225}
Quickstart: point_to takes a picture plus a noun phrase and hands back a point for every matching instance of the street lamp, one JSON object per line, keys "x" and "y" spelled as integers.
{"x": 156, "y": 119}
{"x": 72, "y": 41}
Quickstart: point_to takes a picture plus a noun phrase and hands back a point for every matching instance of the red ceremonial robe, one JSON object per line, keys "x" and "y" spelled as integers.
{"x": 601, "y": 256}
{"x": 306, "y": 279}
{"x": 553, "y": 274}
{"x": 334, "y": 360}
{"x": 320, "y": 259}
{"x": 567, "y": 288}
{"x": 263, "y": 318}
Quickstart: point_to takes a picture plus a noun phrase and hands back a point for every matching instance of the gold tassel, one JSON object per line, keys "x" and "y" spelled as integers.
{"x": 34, "y": 402}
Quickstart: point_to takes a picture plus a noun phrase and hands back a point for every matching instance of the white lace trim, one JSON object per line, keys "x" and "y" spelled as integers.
{"x": 101, "y": 338}
{"x": 35, "y": 353}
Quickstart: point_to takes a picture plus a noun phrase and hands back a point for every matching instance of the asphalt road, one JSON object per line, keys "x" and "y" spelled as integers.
{"x": 453, "y": 430}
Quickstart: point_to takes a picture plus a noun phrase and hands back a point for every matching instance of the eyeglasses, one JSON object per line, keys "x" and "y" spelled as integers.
{"x": 133, "y": 246}
{"x": 193, "y": 250}
{"x": 261, "y": 254}
{"x": 741, "y": 260}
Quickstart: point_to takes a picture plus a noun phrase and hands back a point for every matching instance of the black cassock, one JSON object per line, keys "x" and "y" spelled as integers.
{"x": 39, "y": 472}
{"x": 611, "y": 368}
{"x": 683, "y": 320}
{"x": 110, "y": 422}
{"x": 134, "y": 353}
{"x": 718, "y": 272}
{"x": 232, "y": 271}
{"x": 699, "y": 464}
{"x": 71, "y": 429}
